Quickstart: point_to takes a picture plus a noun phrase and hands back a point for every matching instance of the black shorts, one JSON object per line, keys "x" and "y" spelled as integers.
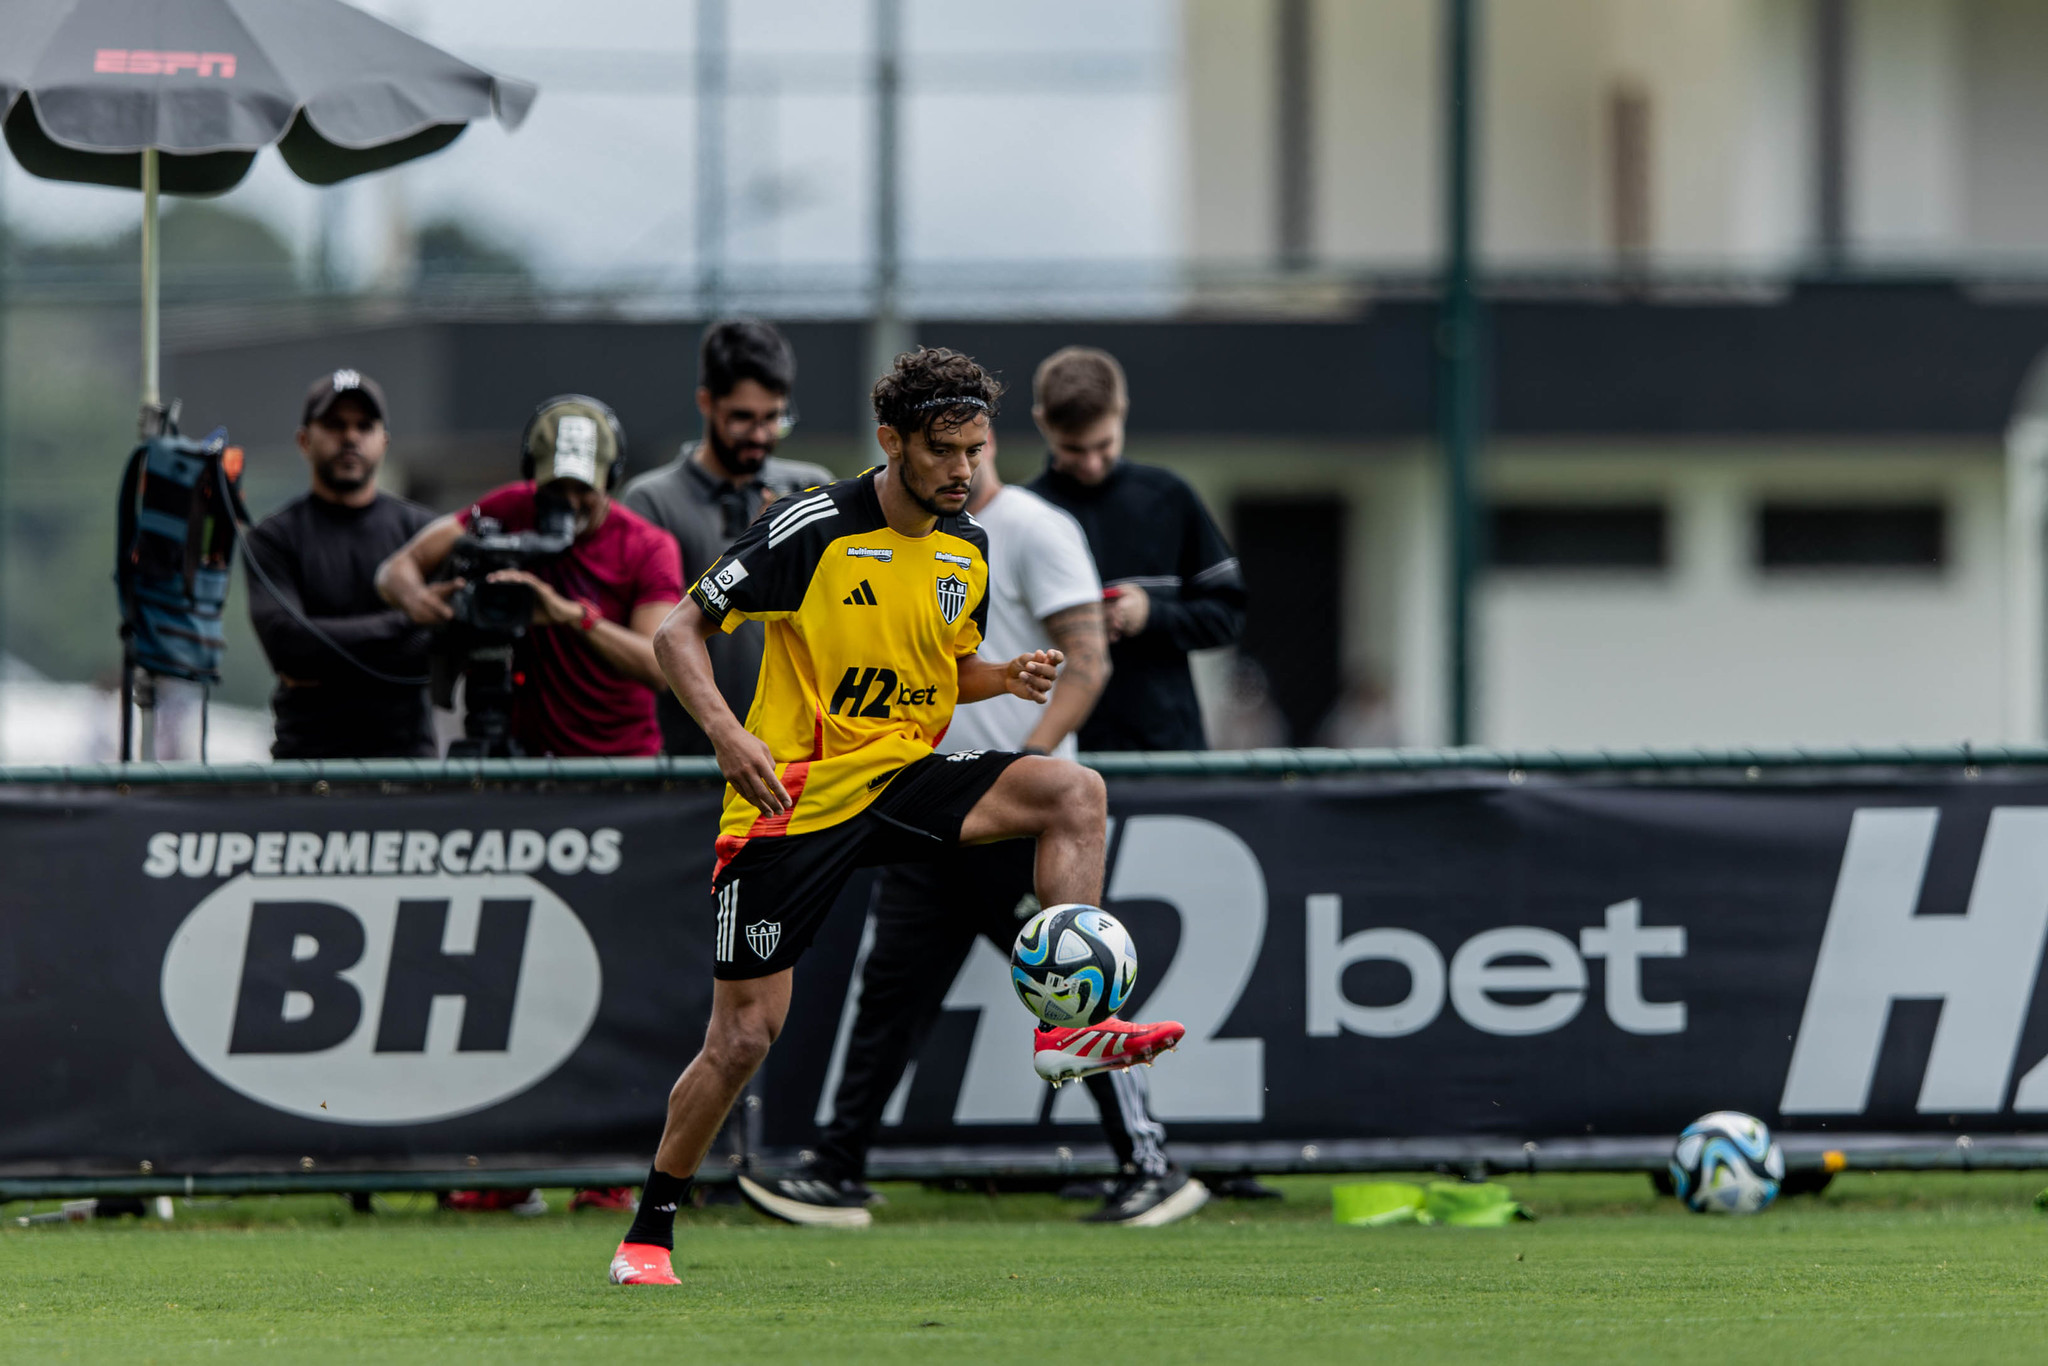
{"x": 983, "y": 889}
{"x": 775, "y": 893}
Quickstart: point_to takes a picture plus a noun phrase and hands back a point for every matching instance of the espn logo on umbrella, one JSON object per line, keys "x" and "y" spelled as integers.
{"x": 142, "y": 61}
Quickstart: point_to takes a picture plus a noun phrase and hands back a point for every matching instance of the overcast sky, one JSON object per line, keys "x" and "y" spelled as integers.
{"x": 1035, "y": 130}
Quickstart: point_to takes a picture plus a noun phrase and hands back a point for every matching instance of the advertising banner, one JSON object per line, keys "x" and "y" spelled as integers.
{"x": 226, "y": 980}
{"x": 249, "y": 981}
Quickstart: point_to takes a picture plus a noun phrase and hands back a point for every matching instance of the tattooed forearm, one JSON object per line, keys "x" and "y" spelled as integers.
{"x": 1078, "y": 632}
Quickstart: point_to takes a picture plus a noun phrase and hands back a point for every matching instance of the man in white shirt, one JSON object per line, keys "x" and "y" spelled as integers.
{"x": 1043, "y": 594}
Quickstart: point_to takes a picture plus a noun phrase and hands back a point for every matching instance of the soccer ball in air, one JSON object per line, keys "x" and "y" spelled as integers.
{"x": 1727, "y": 1163}
{"x": 1073, "y": 965}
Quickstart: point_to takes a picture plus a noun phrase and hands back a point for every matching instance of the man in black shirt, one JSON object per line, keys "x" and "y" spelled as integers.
{"x": 1169, "y": 578}
{"x": 1169, "y": 581}
{"x": 351, "y": 672}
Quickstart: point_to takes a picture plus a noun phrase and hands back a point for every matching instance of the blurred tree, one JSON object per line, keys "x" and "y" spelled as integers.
{"x": 71, "y": 381}
{"x": 209, "y": 250}
{"x": 71, "y": 376}
{"x": 451, "y": 254}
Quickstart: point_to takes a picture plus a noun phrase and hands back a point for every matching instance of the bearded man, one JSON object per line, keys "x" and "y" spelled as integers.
{"x": 351, "y": 670}
{"x": 717, "y": 485}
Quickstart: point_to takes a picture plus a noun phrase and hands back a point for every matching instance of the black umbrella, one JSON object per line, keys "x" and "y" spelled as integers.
{"x": 178, "y": 96}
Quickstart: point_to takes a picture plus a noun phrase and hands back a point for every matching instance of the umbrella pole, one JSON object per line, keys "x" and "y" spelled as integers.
{"x": 152, "y": 260}
{"x": 138, "y": 688}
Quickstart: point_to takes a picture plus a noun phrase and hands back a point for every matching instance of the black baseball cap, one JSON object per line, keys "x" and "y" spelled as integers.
{"x": 325, "y": 391}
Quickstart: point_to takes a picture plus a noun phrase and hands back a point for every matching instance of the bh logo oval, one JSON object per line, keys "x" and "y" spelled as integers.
{"x": 381, "y": 1000}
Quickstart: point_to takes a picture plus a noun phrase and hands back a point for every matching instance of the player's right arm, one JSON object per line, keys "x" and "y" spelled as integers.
{"x": 745, "y": 759}
{"x": 761, "y": 576}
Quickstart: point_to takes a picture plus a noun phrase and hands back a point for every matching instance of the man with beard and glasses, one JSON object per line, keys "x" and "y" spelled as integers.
{"x": 351, "y": 671}
{"x": 715, "y": 488}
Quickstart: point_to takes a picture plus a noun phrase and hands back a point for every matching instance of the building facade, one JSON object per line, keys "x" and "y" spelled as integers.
{"x": 1678, "y": 135}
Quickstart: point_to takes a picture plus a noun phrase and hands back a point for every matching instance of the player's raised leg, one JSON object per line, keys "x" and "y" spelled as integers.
{"x": 1066, "y": 807}
{"x": 746, "y": 1017}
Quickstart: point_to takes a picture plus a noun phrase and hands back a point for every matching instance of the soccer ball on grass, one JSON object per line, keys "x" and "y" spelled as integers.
{"x": 1073, "y": 965}
{"x": 1727, "y": 1163}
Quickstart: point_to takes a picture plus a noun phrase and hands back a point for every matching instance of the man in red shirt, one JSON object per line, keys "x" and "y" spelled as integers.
{"x": 590, "y": 653}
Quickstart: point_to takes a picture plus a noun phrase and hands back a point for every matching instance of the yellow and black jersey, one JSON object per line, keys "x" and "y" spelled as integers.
{"x": 865, "y": 630}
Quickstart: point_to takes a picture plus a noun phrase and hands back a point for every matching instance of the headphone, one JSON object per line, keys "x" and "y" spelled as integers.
{"x": 611, "y": 420}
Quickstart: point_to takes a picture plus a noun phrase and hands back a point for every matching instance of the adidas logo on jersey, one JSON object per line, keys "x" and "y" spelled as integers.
{"x": 863, "y": 596}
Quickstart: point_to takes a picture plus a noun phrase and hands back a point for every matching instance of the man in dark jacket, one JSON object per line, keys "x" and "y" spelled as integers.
{"x": 1169, "y": 578}
{"x": 351, "y": 672}
{"x": 1170, "y": 583}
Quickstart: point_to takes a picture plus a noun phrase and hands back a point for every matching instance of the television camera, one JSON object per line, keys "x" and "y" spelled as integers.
{"x": 479, "y": 645}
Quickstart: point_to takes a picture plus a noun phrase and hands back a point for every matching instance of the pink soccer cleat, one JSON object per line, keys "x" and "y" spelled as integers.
{"x": 1062, "y": 1055}
{"x": 642, "y": 1264}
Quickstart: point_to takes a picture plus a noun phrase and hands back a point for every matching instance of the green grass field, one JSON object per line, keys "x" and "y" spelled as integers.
{"x": 1937, "y": 1267}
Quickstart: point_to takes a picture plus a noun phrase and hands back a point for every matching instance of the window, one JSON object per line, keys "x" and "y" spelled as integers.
{"x": 1814, "y": 536}
{"x": 1631, "y": 173}
{"x": 1565, "y": 536}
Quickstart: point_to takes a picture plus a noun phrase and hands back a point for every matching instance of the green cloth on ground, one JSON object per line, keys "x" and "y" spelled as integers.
{"x": 1369, "y": 1204}
{"x": 1373, "y": 1204}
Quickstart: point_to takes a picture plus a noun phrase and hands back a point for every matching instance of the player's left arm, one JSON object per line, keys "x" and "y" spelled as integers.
{"x": 1029, "y": 676}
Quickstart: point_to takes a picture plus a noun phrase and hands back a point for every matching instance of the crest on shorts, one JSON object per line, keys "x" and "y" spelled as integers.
{"x": 952, "y": 597}
{"x": 763, "y": 936}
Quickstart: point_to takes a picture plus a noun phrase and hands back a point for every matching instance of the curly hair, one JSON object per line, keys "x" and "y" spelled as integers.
{"x": 931, "y": 389}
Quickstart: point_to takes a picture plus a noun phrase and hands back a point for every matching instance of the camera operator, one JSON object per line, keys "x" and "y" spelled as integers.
{"x": 313, "y": 601}
{"x": 588, "y": 654}
{"x": 709, "y": 493}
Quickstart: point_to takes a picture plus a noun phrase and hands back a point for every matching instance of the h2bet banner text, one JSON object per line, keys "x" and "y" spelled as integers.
{"x": 232, "y": 980}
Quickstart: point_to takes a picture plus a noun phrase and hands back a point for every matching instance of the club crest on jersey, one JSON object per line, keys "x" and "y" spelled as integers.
{"x": 763, "y": 936}
{"x": 952, "y": 597}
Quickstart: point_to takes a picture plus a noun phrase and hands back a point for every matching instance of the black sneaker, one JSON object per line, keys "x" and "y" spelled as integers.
{"x": 807, "y": 1200}
{"x": 1143, "y": 1201}
{"x": 1243, "y": 1188}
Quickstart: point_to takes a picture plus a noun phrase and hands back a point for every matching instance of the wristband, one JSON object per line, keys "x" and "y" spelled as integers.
{"x": 1041, "y": 753}
{"x": 590, "y": 618}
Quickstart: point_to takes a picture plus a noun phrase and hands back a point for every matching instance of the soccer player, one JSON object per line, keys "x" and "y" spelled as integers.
{"x": 1043, "y": 595}
{"x": 875, "y": 591}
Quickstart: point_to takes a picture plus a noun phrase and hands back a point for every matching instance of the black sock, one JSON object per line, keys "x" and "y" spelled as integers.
{"x": 655, "y": 1221}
